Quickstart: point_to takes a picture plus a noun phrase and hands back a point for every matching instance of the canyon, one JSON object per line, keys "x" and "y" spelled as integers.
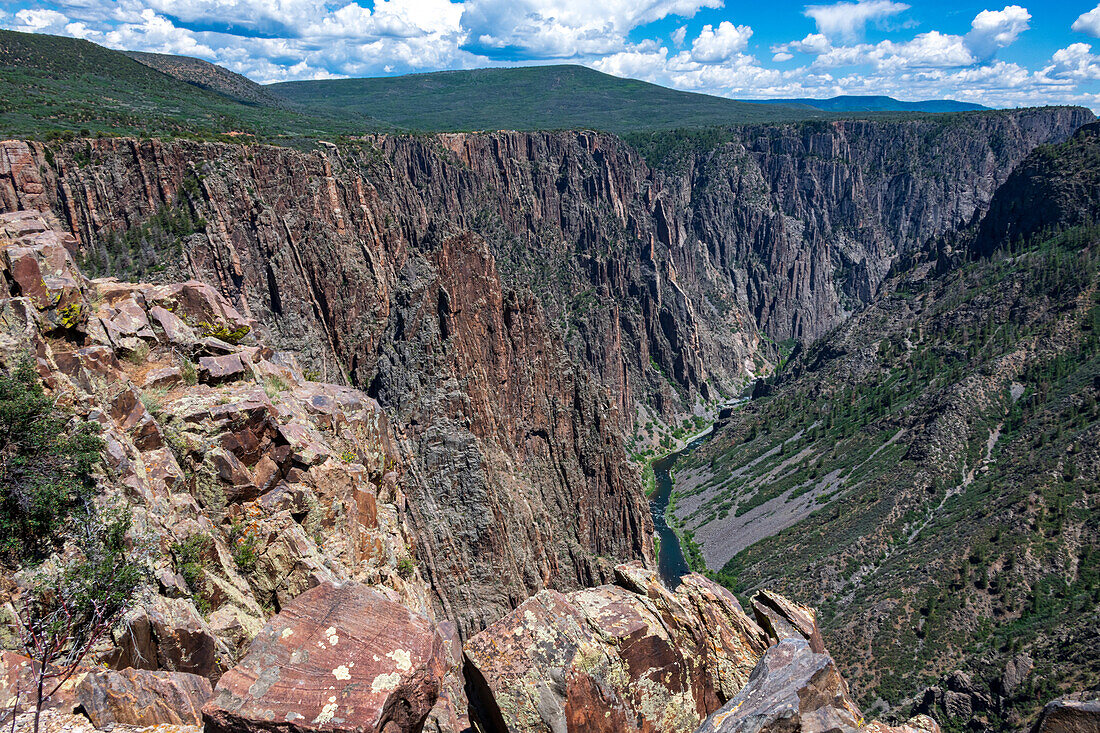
{"x": 494, "y": 330}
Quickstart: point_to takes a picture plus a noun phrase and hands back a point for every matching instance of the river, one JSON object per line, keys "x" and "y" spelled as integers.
{"x": 670, "y": 560}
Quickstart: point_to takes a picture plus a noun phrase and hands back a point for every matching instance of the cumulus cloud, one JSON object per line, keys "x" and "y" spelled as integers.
{"x": 40, "y": 20}
{"x": 544, "y": 29}
{"x": 153, "y": 31}
{"x": 992, "y": 30}
{"x": 715, "y": 45}
{"x": 1089, "y": 23}
{"x": 846, "y": 21}
{"x": 1076, "y": 61}
{"x": 814, "y": 44}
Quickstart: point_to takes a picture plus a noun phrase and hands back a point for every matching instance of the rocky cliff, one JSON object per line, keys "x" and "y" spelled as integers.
{"x": 658, "y": 281}
{"x": 288, "y": 589}
{"x": 518, "y": 479}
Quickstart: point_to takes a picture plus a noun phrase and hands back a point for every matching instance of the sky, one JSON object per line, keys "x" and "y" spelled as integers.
{"x": 1000, "y": 55}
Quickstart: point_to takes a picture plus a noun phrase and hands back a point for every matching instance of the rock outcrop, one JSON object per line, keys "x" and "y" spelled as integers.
{"x": 338, "y": 658}
{"x": 793, "y": 688}
{"x": 1069, "y": 716}
{"x": 251, "y": 489}
{"x": 628, "y": 657}
{"x": 636, "y": 656}
{"x": 142, "y": 698}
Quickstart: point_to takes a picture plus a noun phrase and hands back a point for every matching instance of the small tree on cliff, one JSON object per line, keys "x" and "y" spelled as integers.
{"x": 46, "y": 462}
{"x": 71, "y": 606}
{"x": 48, "y": 500}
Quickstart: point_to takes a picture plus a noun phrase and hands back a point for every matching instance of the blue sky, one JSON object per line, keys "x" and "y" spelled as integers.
{"x": 991, "y": 53}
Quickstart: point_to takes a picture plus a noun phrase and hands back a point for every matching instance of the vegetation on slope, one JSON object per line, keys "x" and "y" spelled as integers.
{"x": 210, "y": 76}
{"x": 950, "y": 437}
{"x": 51, "y": 85}
{"x": 529, "y": 98}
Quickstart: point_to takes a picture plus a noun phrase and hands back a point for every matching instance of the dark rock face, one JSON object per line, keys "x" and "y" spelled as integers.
{"x": 1057, "y": 186}
{"x": 791, "y": 689}
{"x": 1069, "y": 716}
{"x": 338, "y": 658}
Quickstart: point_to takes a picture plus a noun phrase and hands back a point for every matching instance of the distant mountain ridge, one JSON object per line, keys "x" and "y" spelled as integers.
{"x": 530, "y": 98}
{"x": 212, "y": 77}
{"x": 53, "y": 84}
{"x": 858, "y": 103}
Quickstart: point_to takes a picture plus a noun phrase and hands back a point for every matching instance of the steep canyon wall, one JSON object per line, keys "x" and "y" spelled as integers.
{"x": 512, "y": 299}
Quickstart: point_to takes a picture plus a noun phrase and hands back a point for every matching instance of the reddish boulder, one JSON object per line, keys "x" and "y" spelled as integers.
{"x": 629, "y": 657}
{"x": 217, "y": 369}
{"x": 163, "y": 378}
{"x": 170, "y": 634}
{"x": 18, "y": 680}
{"x": 142, "y": 697}
{"x": 337, "y": 658}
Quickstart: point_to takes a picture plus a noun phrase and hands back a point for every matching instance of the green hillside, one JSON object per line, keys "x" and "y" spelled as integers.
{"x": 51, "y": 84}
{"x": 931, "y": 468}
{"x": 529, "y": 98}
{"x": 210, "y": 76}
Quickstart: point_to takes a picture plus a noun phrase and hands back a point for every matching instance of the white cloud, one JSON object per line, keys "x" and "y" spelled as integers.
{"x": 1076, "y": 61}
{"x": 679, "y": 35}
{"x": 927, "y": 50}
{"x": 1089, "y": 23}
{"x": 992, "y": 30}
{"x": 782, "y": 56}
{"x": 564, "y": 28}
{"x": 846, "y": 21}
{"x": 40, "y": 20}
{"x": 719, "y": 44}
{"x": 155, "y": 33}
{"x": 814, "y": 44}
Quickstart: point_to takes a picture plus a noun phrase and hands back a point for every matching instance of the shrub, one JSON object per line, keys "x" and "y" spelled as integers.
{"x": 406, "y": 566}
{"x": 274, "y": 385}
{"x": 189, "y": 559}
{"x": 70, "y": 606}
{"x": 243, "y": 542}
{"x": 46, "y": 459}
{"x": 188, "y": 372}
{"x": 224, "y": 332}
{"x": 153, "y": 400}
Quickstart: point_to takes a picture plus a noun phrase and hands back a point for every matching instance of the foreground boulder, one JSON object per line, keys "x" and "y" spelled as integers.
{"x": 18, "y": 678}
{"x": 142, "y": 697}
{"x": 627, "y": 657}
{"x": 1069, "y": 716}
{"x": 337, "y": 658}
{"x": 793, "y": 688}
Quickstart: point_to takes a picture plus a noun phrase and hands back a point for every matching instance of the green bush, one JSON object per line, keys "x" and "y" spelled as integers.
{"x": 244, "y": 542}
{"x": 46, "y": 462}
{"x": 189, "y": 558}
